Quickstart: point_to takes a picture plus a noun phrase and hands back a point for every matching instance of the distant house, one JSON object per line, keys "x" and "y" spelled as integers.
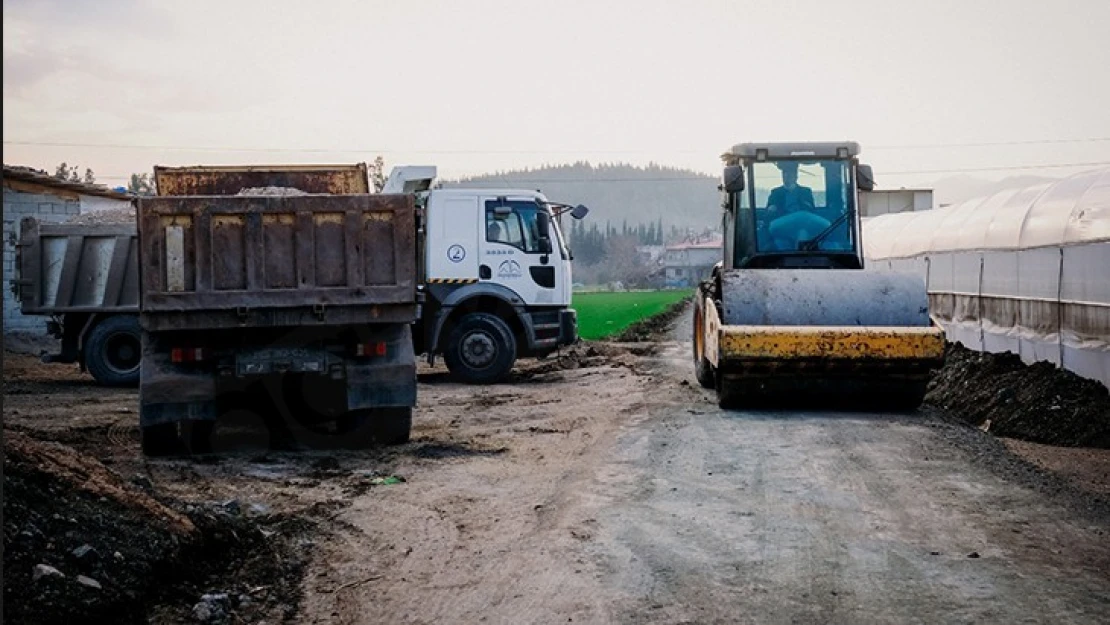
{"x": 882, "y": 202}
{"x": 33, "y": 193}
{"x": 650, "y": 254}
{"x": 688, "y": 262}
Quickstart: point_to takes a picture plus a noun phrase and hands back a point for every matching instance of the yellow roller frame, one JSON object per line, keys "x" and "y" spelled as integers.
{"x": 848, "y": 343}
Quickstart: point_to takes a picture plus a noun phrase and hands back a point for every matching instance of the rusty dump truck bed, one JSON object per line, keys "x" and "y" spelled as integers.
{"x": 231, "y": 179}
{"x": 233, "y": 261}
{"x": 65, "y": 268}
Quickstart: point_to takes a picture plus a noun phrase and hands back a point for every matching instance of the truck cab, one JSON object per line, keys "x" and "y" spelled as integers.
{"x": 496, "y": 279}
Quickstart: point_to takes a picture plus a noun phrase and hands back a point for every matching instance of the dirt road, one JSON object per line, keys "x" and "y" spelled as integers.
{"x": 617, "y": 492}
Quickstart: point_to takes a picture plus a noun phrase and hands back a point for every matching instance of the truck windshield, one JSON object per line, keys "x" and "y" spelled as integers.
{"x": 803, "y": 206}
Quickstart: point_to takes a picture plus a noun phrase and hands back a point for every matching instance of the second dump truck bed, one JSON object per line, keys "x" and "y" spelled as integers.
{"x": 248, "y": 260}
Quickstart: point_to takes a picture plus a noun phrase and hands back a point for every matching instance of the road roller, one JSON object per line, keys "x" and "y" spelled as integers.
{"x": 791, "y": 312}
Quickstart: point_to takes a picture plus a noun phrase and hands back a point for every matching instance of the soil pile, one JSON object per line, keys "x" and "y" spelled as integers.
{"x": 271, "y": 191}
{"x": 578, "y": 356}
{"x": 652, "y": 328}
{"x": 1039, "y": 403}
{"x": 29, "y": 343}
{"x": 81, "y": 544}
{"x": 125, "y": 215}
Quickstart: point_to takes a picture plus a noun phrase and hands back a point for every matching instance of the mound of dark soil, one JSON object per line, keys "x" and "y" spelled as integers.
{"x": 578, "y": 356}
{"x": 652, "y": 328}
{"x": 70, "y": 513}
{"x": 81, "y": 544}
{"x": 1040, "y": 403}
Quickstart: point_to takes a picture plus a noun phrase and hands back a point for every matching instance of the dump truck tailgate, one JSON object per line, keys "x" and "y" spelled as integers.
{"x": 67, "y": 268}
{"x": 230, "y": 261}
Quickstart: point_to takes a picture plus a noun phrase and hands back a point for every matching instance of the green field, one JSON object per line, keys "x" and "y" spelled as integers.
{"x": 604, "y": 314}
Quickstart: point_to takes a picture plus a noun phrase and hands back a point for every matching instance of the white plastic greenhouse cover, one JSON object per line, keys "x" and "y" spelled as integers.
{"x": 1075, "y": 210}
{"x": 1024, "y": 270}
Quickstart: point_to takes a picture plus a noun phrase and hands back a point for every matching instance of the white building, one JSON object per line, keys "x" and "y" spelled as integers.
{"x": 884, "y": 202}
{"x": 687, "y": 263}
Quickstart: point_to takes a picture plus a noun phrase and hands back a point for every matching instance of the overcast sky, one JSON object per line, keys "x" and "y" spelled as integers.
{"x": 476, "y": 85}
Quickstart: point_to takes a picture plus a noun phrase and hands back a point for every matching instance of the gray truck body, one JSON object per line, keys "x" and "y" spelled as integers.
{"x": 85, "y": 277}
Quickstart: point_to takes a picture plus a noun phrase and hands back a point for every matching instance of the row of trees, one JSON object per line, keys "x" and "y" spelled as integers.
{"x": 73, "y": 174}
{"x": 590, "y": 242}
{"x": 141, "y": 184}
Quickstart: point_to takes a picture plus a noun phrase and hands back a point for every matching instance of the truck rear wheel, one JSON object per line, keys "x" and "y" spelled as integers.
{"x": 113, "y": 351}
{"x": 481, "y": 349}
{"x": 383, "y": 426}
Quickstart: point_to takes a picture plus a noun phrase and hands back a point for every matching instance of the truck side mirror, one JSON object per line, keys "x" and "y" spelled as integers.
{"x": 543, "y": 231}
{"x": 578, "y": 212}
{"x": 733, "y": 179}
{"x": 865, "y": 180}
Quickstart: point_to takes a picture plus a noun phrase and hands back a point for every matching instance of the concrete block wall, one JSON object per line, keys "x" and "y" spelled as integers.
{"x": 17, "y": 205}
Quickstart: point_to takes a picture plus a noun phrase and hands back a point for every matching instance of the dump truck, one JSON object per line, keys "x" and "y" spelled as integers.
{"x": 493, "y": 270}
{"x": 85, "y": 277}
{"x": 791, "y": 312}
{"x": 292, "y": 302}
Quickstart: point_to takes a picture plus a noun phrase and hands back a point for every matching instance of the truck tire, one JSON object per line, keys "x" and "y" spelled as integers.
{"x": 703, "y": 369}
{"x": 360, "y": 429}
{"x": 113, "y": 351}
{"x": 481, "y": 349}
{"x": 160, "y": 440}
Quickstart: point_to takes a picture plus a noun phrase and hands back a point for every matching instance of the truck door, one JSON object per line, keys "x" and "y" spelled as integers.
{"x": 452, "y": 252}
{"x": 512, "y": 255}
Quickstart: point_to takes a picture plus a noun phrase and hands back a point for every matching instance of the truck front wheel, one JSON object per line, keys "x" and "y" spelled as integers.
{"x": 481, "y": 349}
{"x": 113, "y": 351}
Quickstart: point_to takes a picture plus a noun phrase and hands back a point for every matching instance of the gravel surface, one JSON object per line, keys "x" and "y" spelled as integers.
{"x": 605, "y": 486}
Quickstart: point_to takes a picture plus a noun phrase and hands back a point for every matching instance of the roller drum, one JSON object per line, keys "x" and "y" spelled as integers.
{"x": 823, "y": 297}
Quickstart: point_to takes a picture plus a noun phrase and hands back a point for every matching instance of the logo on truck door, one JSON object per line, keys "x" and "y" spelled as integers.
{"x": 456, "y": 253}
{"x": 509, "y": 269}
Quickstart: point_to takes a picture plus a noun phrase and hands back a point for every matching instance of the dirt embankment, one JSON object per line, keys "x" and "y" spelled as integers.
{"x": 81, "y": 544}
{"x": 1004, "y": 396}
{"x": 656, "y": 327}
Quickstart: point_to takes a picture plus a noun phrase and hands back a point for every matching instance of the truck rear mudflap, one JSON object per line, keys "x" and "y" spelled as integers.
{"x": 864, "y": 366}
